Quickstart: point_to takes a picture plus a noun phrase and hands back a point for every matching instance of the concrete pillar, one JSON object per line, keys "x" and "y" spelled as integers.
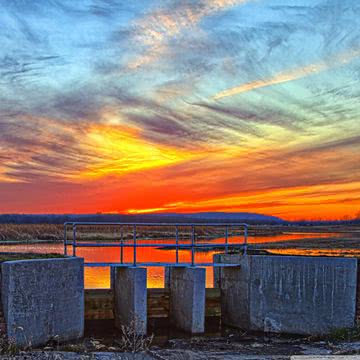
{"x": 130, "y": 298}
{"x": 223, "y": 258}
{"x": 235, "y": 294}
{"x": 112, "y": 277}
{"x": 187, "y": 298}
{"x": 167, "y": 281}
{"x": 216, "y": 270}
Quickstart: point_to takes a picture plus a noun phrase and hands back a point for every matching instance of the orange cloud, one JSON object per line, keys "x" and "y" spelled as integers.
{"x": 113, "y": 168}
{"x": 145, "y": 211}
{"x": 118, "y": 150}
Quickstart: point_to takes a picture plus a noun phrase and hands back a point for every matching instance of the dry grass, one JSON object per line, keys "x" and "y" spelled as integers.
{"x": 54, "y": 232}
{"x": 29, "y": 232}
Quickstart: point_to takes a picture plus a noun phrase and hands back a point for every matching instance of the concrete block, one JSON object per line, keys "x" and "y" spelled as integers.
{"x": 290, "y": 294}
{"x": 187, "y": 298}
{"x": 130, "y": 298}
{"x": 112, "y": 277}
{"x": 42, "y": 299}
{"x": 223, "y": 258}
{"x": 167, "y": 274}
{"x": 217, "y": 258}
{"x": 235, "y": 294}
{"x": 304, "y": 295}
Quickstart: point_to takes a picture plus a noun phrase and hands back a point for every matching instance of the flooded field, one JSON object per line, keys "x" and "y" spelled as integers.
{"x": 295, "y": 243}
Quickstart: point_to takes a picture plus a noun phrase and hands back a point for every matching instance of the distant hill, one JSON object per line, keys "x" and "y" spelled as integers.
{"x": 201, "y": 217}
{"x": 224, "y": 216}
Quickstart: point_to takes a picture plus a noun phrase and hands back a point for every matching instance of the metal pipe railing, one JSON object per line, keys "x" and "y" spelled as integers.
{"x": 74, "y": 240}
{"x": 192, "y": 245}
{"x": 157, "y": 245}
{"x": 136, "y": 243}
{"x": 245, "y": 239}
{"x": 177, "y": 244}
{"x": 215, "y": 224}
{"x": 226, "y": 239}
{"x": 65, "y": 239}
{"x": 121, "y": 245}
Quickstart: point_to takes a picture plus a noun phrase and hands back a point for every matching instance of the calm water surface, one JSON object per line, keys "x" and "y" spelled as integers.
{"x": 99, "y": 277}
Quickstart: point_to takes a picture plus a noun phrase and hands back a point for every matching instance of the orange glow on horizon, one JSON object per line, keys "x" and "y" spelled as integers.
{"x": 121, "y": 171}
{"x": 289, "y": 204}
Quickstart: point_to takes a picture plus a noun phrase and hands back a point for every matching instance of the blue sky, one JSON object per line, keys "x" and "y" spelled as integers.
{"x": 101, "y": 91}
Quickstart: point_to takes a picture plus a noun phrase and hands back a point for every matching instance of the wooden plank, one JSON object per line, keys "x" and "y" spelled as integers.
{"x": 158, "y": 303}
{"x": 99, "y": 303}
{"x": 212, "y": 302}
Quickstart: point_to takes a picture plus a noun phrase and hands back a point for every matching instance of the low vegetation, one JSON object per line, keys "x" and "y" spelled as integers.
{"x": 27, "y": 256}
{"x": 8, "y": 346}
{"x": 24, "y": 233}
{"x": 346, "y": 334}
{"x": 30, "y": 232}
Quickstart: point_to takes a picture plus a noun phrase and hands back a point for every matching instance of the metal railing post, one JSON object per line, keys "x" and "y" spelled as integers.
{"x": 65, "y": 239}
{"x": 245, "y": 239}
{"x": 134, "y": 241}
{"x": 121, "y": 245}
{"x": 74, "y": 240}
{"x": 177, "y": 243}
{"x": 227, "y": 245}
{"x": 226, "y": 239}
{"x": 192, "y": 245}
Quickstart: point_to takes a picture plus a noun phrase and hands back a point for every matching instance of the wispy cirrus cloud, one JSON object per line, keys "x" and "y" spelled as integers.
{"x": 158, "y": 27}
{"x": 291, "y": 75}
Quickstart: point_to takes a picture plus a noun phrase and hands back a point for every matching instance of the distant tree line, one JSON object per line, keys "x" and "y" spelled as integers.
{"x": 163, "y": 218}
{"x": 249, "y": 218}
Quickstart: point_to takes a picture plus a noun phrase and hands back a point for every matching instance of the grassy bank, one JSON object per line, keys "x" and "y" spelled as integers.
{"x": 27, "y": 256}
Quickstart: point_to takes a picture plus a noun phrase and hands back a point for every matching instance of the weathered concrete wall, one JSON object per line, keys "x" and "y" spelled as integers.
{"x": 130, "y": 298}
{"x": 187, "y": 298}
{"x": 42, "y": 299}
{"x": 290, "y": 294}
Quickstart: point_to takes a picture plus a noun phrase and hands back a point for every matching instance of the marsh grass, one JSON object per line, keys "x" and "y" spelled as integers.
{"x": 30, "y": 232}
{"x": 346, "y": 334}
{"x": 27, "y": 256}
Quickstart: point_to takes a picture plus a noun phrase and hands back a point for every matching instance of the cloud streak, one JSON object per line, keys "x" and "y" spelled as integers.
{"x": 156, "y": 29}
{"x": 291, "y": 75}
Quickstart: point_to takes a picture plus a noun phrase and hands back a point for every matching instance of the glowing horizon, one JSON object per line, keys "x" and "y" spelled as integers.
{"x": 153, "y": 106}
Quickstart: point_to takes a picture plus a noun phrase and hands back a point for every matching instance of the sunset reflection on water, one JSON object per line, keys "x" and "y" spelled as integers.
{"x": 99, "y": 277}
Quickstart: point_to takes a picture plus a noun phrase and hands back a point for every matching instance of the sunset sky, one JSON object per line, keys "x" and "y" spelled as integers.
{"x": 180, "y": 106}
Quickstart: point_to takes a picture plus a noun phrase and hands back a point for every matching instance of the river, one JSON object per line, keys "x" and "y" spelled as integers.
{"x": 98, "y": 277}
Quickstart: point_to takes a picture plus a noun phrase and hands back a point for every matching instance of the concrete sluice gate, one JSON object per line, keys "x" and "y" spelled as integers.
{"x": 42, "y": 299}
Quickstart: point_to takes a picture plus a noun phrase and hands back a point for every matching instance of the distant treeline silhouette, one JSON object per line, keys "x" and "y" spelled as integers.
{"x": 250, "y": 218}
